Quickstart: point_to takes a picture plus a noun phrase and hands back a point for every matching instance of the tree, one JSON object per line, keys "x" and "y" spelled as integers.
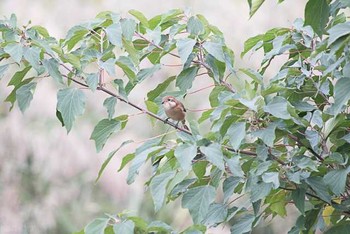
{"x": 273, "y": 141}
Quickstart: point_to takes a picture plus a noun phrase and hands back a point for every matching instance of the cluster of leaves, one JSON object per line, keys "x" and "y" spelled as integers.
{"x": 274, "y": 140}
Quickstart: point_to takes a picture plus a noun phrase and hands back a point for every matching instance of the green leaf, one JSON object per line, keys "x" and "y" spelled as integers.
{"x": 338, "y": 31}
{"x": 126, "y": 159}
{"x": 71, "y": 104}
{"x": 298, "y": 197}
{"x": 236, "y": 132}
{"x": 243, "y": 224}
{"x": 267, "y": 135}
{"x": 158, "y": 188}
{"x": 214, "y": 155}
{"x": 217, "y": 214}
{"x": 114, "y": 34}
{"x": 195, "y": 26}
{"x": 92, "y": 80}
{"x": 110, "y": 103}
{"x": 316, "y": 15}
{"x": 147, "y": 72}
{"x": 184, "y": 154}
{"x": 32, "y": 55}
{"x": 125, "y": 227}
{"x": 153, "y": 94}
{"x": 140, "y": 16}
{"x": 185, "y": 48}
{"x": 254, "y": 5}
{"x": 318, "y": 185}
{"x": 342, "y": 228}
{"x": 229, "y": 185}
{"x": 24, "y": 95}
{"x": 251, "y": 43}
{"x": 341, "y": 95}
{"x": 51, "y": 66}
{"x": 18, "y": 76}
{"x": 197, "y": 200}
{"x": 271, "y": 177}
{"x": 336, "y": 180}
{"x": 15, "y": 50}
{"x": 77, "y": 37}
{"x": 186, "y": 77}
{"x": 97, "y": 226}
{"x": 103, "y": 130}
{"x": 110, "y": 156}
{"x": 215, "y": 49}
{"x": 235, "y": 166}
{"x": 73, "y": 60}
{"x": 41, "y": 30}
{"x": 159, "y": 227}
{"x": 109, "y": 66}
{"x": 3, "y": 69}
{"x": 128, "y": 28}
{"x": 278, "y": 107}
{"x": 259, "y": 191}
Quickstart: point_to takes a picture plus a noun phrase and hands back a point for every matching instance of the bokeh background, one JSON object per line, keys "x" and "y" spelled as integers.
{"x": 47, "y": 177}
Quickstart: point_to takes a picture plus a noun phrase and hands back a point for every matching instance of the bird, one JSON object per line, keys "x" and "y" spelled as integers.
{"x": 175, "y": 110}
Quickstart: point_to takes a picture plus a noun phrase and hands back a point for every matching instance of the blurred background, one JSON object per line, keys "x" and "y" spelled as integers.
{"x": 47, "y": 177}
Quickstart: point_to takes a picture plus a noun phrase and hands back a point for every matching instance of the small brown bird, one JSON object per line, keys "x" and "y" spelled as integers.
{"x": 175, "y": 110}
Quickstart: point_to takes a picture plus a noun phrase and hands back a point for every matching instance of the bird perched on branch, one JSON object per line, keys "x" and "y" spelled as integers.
{"x": 175, "y": 110}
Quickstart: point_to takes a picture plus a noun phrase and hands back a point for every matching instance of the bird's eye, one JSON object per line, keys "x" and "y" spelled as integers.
{"x": 169, "y": 99}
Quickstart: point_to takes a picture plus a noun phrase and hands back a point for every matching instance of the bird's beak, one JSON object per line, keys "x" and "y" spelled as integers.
{"x": 162, "y": 102}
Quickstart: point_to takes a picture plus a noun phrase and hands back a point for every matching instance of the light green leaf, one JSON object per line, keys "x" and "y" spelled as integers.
{"x": 92, "y": 80}
{"x": 72, "y": 59}
{"x": 125, "y": 227}
{"x": 341, "y": 94}
{"x": 215, "y": 49}
{"x": 267, "y": 135}
{"x": 24, "y": 95}
{"x": 197, "y": 200}
{"x": 147, "y": 72}
{"x": 214, "y": 155}
{"x": 15, "y": 50}
{"x": 103, "y": 130}
{"x": 184, "y": 154}
{"x": 114, "y": 34}
{"x": 32, "y": 55}
{"x": 110, "y": 103}
{"x": 186, "y": 77}
{"x": 140, "y": 16}
{"x": 235, "y": 166}
{"x": 158, "y": 188}
{"x": 128, "y": 28}
{"x": 278, "y": 107}
{"x": 217, "y": 214}
{"x": 185, "y": 47}
{"x": 236, "y": 132}
{"x": 259, "y": 191}
{"x": 338, "y": 31}
{"x": 336, "y": 180}
{"x": 51, "y": 66}
{"x": 243, "y": 224}
{"x": 316, "y": 15}
{"x": 110, "y": 156}
{"x": 153, "y": 94}
{"x": 109, "y": 66}
{"x": 195, "y": 26}
{"x": 252, "y": 42}
{"x": 71, "y": 104}
{"x": 3, "y": 69}
{"x": 159, "y": 227}
{"x": 254, "y": 5}
{"x": 271, "y": 177}
{"x": 41, "y": 30}
{"x": 97, "y": 226}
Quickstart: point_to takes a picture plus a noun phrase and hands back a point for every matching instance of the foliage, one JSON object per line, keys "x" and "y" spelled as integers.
{"x": 274, "y": 140}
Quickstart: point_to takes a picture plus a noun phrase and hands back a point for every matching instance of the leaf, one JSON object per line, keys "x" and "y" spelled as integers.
{"x": 24, "y": 95}
{"x": 197, "y": 200}
{"x": 316, "y": 15}
{"x": 126, "y": 159}
{"x": 341, "y": 95}
{"x": 184, "y": 154}
{"x": 147, "y": 72}
{"x": 15, "y": 50}
{"x": 140, "y": 16}
{"x": 92, "y": 80}
{"x": 109, "y": 66}
{"x": 186, "y": 77}
{"x": 259, "y": 191}
{"x": 251, "y": 43}
{"x": 217, "y": 214}
{"x": 318, "y": 185}
{"x": 153, "y": 94}
{"x": 110, "y": 156}
{"x": 342, "y": 228}
{"x": 336, "y": 180}
{"x": 235, "y": 166}
{"x": 77, "y": 37}
{"x": 229, "y": 185}
{"x": 215, "y": 49}
{"x": 128, "y": 28}
{"x": 298, "y": 197}
{"x": 51, "y": 66}
{"x": 41, "y": 30}
{"x": 125, "y": 227}
{"x": 32, "y": 55}
{"x": 114, "y": 34}
{"x": 195, "y": 26}
{"x": 110, "y": 103}
{"x": 236, "y": 132}
{"x": 254, "y": 5}
{"x": 103, "y": 130}
{"x": 185, "y": 48}
{"x": 159, "y": 227}
{"x": 267, "y": 135}
{"x": 3, "y": 69}
{"x": 71, "y": 104}
{"x": 214, "y": 155}
{"x": 97, "y": 226}
{"x": 158, "y": 188}
{"x": 338, "y": 31}
{"x": 271, "y": 177}
{"x": 243, "y": 224}
{"x": 278, "y": 107}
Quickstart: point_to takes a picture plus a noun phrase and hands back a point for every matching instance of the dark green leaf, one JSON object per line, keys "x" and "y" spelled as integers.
{"x": 251, "y": 43}
{"x": 103, "y": 130}
{"x": 318, "y": 185}
{"x": 71, "y": 104}
{"x": 153, "y": 94}
{"x": 342, "y": 228}
{"x": 254, "y": 5}
{"x": 298, "y": 196}
{"x": 316, "y": 15}
{"x": 214, "y": 154}
{"x": 24, "y": 95}
{"x": 186, "y": 77}
{"x": 125, "y": 227}
{"x": 336, "y": 180}
{"x": 158, "y": 187}
{"x": 341, "y": 94}
{"x": 110, "y": 103}
{"x": 197, "y": 200}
